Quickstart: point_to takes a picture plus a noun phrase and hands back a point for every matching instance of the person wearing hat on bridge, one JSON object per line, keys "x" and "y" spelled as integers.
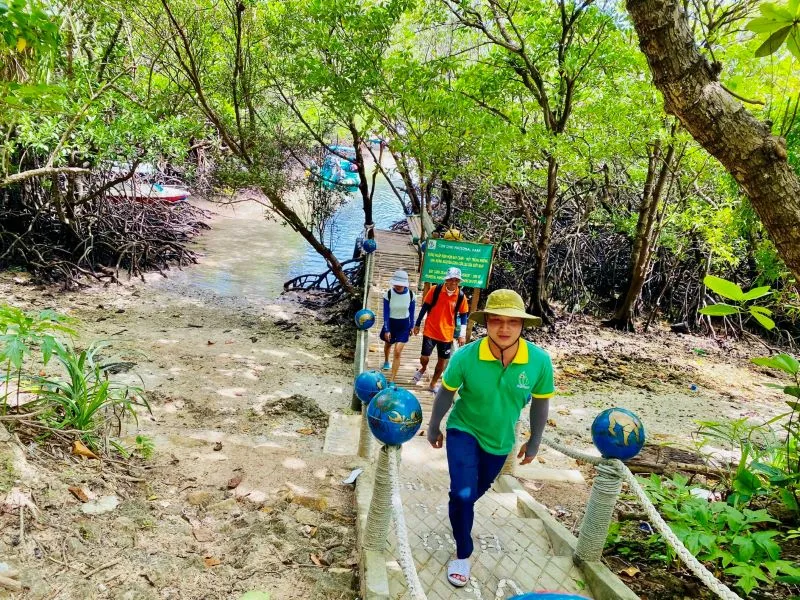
{"x": 398, "y": 319}
{"x": 495, "y": 377}
{"x": 447, "y": 308}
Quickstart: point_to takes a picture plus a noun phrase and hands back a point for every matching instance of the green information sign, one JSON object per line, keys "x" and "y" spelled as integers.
{"x": 474, "y": 260}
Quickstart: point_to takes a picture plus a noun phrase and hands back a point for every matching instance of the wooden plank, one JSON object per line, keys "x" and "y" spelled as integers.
{"x": 394, "y": 251}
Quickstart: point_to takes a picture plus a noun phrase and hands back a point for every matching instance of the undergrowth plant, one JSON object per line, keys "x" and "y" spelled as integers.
{"x": 84, "y": 399}
{"x": 78, "y": 397}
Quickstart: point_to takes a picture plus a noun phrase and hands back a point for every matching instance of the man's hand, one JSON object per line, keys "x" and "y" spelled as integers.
{"x": 462, "y": 340}
{"x": 416, "y": 330}
{"x": 521, "y": 454}
{"x": 439, "y": 441}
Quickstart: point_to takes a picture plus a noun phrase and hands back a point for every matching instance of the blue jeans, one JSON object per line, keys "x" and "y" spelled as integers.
{"x": 472, "y": 472}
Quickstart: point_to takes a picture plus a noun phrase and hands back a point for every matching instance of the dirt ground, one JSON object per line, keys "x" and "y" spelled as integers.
{"x": 238, "y": 495}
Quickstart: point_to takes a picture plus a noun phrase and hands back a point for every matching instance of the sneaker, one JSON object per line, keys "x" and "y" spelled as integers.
{"x": 417, "y": 376}
{"x": 386, "y": 366}
{"x": 435, "y": 389}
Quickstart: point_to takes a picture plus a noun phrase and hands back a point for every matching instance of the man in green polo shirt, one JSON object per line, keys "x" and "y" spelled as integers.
{"x": 495, "y": 378}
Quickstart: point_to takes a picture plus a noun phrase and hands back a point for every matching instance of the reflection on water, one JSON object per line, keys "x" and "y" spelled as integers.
{"x": 348, "y": 225}
{"x": 244, "y": 255}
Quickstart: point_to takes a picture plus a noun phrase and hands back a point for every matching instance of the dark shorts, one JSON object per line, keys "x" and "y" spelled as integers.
{"x": 443, "y": 349}
{"x": 400, "y": 330}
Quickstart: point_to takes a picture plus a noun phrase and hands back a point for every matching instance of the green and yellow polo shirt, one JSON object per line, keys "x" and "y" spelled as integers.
{"x": 490, "y": 397}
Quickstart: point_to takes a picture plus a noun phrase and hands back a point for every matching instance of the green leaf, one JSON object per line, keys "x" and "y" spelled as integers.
{"x": 792, "y": 390}
{"x": 793, "y": 42}
{"x": 758, "y": 292}
{"x": 773, "y": 42}
{"x": 719, "y": 310}
{"x": 723, "y": 287}
{"x": 784, "y": 362}
{"x": 765, "y": 321}
{"x": 788, "y": 500}
{"x": 765, "y": 25}
{"x": 745, "y": 548}
{"x": 761, "y": 310}
{"x": 775, "y": 12}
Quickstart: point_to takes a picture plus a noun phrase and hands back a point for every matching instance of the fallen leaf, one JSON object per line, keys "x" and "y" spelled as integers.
{"x": 234, "y": 481}
{"x": 211, "y": 561}
{"x": 79, "y": 449}
{"x": 631, "y": 571}
{"x": 319, "y": 561}
{"x": 79, "y": 494}
{"x": 551, "y": 422}
{"x": 305, "y": 430}
{"x": 151, "y": 498}
{"x": 564, "y": 411}
{"x": 203, "y": 535}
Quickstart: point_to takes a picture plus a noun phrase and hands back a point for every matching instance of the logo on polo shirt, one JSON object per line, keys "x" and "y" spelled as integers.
{"x": 523, "y": 382}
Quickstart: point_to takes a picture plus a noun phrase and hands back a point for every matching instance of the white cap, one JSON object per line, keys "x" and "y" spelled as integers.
{"x": 399, "y": 277}
{"x": 453, "y": 273}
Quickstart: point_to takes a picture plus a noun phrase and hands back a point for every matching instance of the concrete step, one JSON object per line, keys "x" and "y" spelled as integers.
{"x": 511, "y": 557}
{"x": 492, "y": 506}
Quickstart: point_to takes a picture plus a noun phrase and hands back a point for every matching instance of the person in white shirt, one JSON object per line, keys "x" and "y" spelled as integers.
{"x": 398, "y": 320}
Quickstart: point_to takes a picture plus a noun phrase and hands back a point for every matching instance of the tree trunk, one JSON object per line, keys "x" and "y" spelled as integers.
{"x": 447, "y": 198}
{"x": 405, "y": 174}
{"x": 644, "y": 242}
{"x": 363, "y": 186}
{"x": 538, "y": 303}
{"x": 743, "y": 144}
{"x": 290, "y": 217}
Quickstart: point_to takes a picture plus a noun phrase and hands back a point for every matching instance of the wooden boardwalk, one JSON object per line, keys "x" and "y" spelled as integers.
{"x": 395, "y": 251}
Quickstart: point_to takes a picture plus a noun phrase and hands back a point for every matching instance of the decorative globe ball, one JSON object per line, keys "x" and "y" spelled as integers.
{"x": 452, "y": 234}
{"x": 548, "y": 596}
{"x": 394, "y": 416}
{"x": 365, "y": 319}
{"x": 368, "y": 384}
{"x": 369, "y": 246}
{"x": 423, "y": 245}
{"x": 618, "y": 433}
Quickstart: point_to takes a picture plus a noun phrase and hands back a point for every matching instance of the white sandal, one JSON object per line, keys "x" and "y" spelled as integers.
{"x": 458, "y": 567}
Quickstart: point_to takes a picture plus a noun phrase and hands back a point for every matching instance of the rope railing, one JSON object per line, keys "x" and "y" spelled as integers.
{"x": 387, "y": 505}
{"x": 605, "y": 490}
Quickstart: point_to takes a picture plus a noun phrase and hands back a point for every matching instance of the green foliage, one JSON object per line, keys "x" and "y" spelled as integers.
{"x": 732, "y": 291}
{"x": 83, "y": 400}
{"x": 778, "y": 24}
{"x": 734, "y": 540}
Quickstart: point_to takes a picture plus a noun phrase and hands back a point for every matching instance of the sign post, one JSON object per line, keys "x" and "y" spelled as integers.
{"x": 474, "y": 260}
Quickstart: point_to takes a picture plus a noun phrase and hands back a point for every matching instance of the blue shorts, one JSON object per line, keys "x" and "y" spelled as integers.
{"x": 400, "y": 330}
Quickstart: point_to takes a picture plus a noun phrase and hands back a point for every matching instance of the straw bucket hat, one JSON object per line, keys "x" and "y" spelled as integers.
{"x": 505, "y": 303}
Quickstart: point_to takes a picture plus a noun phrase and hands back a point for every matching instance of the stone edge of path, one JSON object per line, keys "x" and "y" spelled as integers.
{"x": 374, "y": 575}
{"x": 602, "y": 582}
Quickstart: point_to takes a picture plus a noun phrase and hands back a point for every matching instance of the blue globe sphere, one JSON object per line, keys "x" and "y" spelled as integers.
{"x": 369, "y": 246}
{"x": 548, "y": 596}
{"x": 364, "y": 318}
{"x": 618, "y": 433}
{"x": 368, "y": 384}
{"x": 423, "y": 245}
{"x": 394, "y": 416}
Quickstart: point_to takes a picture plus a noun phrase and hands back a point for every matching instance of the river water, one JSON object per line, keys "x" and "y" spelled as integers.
{"x": 247, "y": 255}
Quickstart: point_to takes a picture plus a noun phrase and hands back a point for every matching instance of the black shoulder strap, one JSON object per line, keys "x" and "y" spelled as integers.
{"x": 436, "y": 292}
{"x": 458, "y": 305}
{"x": 389, "y": 295}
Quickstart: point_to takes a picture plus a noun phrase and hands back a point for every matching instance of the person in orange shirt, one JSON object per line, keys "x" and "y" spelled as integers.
{"x": 445, "y": 306}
